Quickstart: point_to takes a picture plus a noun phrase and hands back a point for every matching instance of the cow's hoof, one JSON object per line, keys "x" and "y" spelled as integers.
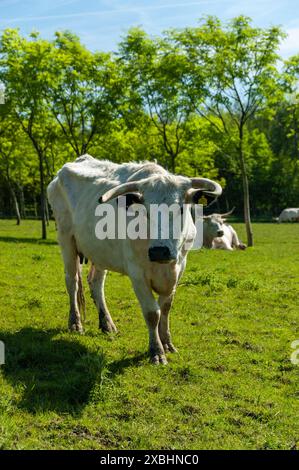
{"x": 77, "y": 328}
{"x": 169, "y": 347}
{"x": 159, "y": 359}
{"x": 108, "y": 328}
{"x": 242, "y": 246}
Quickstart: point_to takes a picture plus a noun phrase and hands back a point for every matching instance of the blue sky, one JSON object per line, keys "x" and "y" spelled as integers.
{"x": 101, "y": 23}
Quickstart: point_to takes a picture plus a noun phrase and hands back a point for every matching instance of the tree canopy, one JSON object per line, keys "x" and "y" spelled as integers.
{"x": 215, "y": 100}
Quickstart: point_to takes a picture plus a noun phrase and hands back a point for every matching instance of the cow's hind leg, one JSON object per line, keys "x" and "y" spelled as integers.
{"x": 96, "y": 281}
{"x": 164, "y": 330}
{"x": 72, "y": 280}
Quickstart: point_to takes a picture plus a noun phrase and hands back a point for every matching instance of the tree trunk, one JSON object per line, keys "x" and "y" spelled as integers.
{"x": 42, "y": 196}
{"x": 47, "y": 211}
{"x": 16, "y": 204}
{"x": 35, "y": 208}
{"x": 172, "y": 161}
{"x": 12, "y": 191}
{"x": 22, "y": 202}
{"x": 246, "y": 199}
{"x": 226, "y": 204}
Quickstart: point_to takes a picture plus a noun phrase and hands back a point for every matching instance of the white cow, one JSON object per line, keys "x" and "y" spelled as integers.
{"x": 153, "y": 265}
{"x": 289, "y": 215}
{"x": 229, "y": 240}
{"x": 219, "y": 235}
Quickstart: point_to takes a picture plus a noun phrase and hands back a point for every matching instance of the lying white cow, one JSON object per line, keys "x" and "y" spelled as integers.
{"x": 289, "y": 215}
{"x": 153, "y": 265}
{"x": 219, "y": 235}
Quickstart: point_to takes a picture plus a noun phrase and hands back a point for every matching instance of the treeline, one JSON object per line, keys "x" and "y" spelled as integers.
{"x": 214, "y": 100}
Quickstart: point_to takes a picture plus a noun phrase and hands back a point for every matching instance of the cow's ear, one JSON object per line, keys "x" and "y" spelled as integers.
{"x": 133, "y": 198}
{"x": 201, "y": 197}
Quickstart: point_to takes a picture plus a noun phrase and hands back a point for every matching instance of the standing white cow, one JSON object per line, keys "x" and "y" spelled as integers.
{"x": 219, "y": 235}
{"x": 153, "y": 265}
{"x": 289, "y": 215}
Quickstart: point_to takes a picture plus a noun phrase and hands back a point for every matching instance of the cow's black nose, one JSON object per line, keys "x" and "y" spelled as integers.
{"x": 159, "y": 253}
{"x": 220, "y": 233}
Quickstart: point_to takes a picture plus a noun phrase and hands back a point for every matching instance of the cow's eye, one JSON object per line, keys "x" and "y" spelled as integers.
{"x": 133, "y": 198}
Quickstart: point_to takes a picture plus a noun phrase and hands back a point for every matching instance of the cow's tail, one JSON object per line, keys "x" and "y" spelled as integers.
{"x": 80, "y": 294}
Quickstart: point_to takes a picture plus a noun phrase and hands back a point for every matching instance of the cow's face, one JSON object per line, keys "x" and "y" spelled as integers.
{"x": 213, "y": 225}
{"x": 169, "y": 219}
{"x": 166, "y": 201}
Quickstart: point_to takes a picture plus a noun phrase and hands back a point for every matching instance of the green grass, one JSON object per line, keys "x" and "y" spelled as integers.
{"x": 232, "y": 386}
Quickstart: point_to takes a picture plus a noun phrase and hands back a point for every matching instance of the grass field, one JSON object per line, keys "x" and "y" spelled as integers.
{"x": 232, "y": 385}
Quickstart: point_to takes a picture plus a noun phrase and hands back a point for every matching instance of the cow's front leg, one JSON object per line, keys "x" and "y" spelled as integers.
{"x": 164, "y": 330}
{"x": 151, "y": 313}
{"x": 165, "y": 302}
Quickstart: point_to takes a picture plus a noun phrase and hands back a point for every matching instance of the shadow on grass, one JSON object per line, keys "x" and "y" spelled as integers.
{"x": 118, "y": 367}
{"x": 27, "y": 240}
{"x": 54, "y": 374}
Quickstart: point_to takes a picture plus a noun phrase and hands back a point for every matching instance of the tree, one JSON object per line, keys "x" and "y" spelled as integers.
{"x": 8, "y": 137}
{"x": 240, "y": 77}
{"x": 26, "y": 72}
{"x": 291, "y": 81}
{"x": 152, "y": 67}
{"x": 84, "y": 92}
{"x": 15, "y": 158}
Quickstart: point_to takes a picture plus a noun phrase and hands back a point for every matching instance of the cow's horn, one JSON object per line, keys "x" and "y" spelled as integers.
{"x": 209, "y": 186}
{"x": 228, "y": 213}
{"x": 131, "y": 187}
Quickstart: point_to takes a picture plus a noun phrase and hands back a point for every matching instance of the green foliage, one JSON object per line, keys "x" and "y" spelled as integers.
{"x": 211, "y": 100}
{"x": 154, "y": 67}
{"x": 83, "y": 92}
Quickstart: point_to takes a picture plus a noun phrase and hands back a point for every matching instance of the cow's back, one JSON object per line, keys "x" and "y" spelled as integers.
{"x": 289, "y": 215}
{"x": 71, "y": 184}
{"x": 74, "y": 196}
